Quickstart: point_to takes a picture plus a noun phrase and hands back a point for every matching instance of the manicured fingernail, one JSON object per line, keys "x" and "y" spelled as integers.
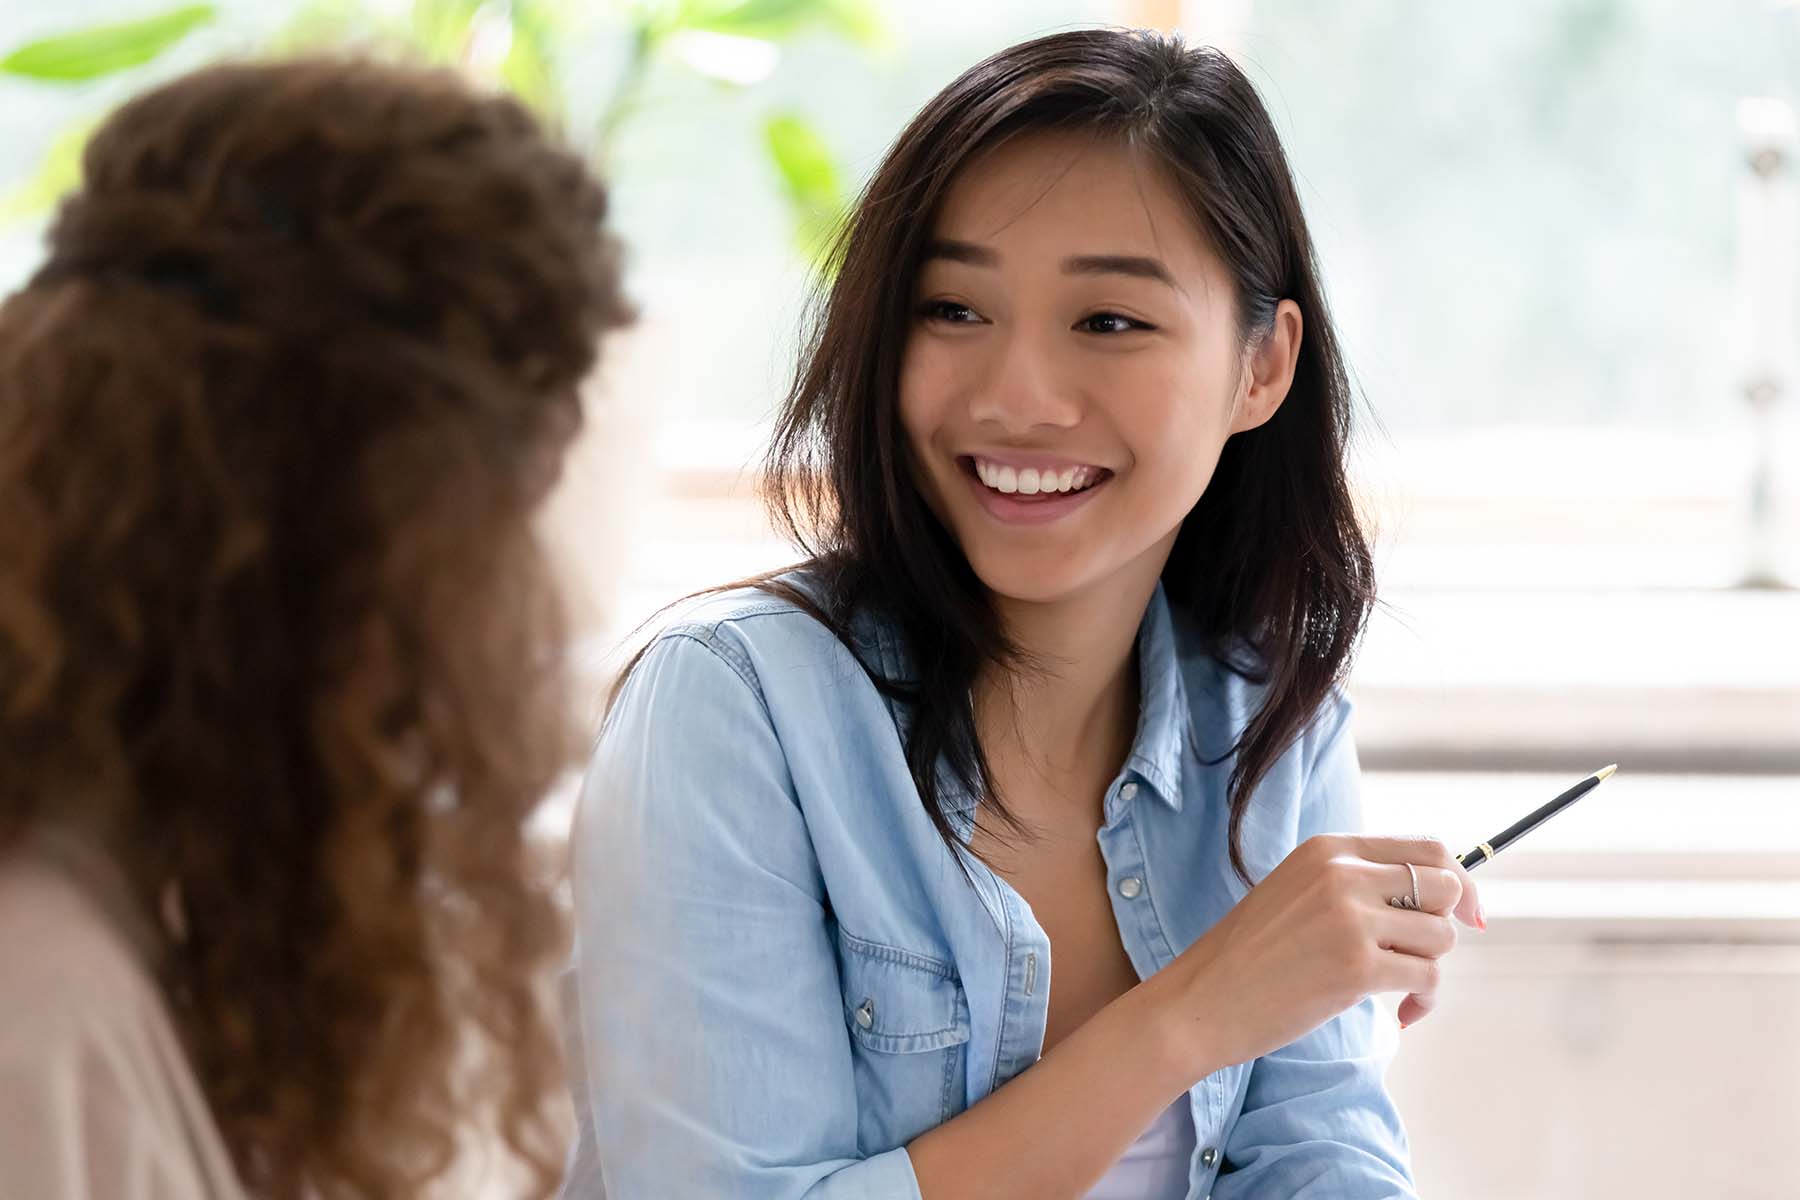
{"x": 1480, "y": 917}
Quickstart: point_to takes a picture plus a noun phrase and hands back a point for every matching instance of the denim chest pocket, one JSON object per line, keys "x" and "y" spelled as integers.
{"x": 909, "y": 1032}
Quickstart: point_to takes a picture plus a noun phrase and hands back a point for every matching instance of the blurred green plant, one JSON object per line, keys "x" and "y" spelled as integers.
{"x": 105, "y": 49}
{"x": 80, "y": 57}
{"x": 511, "y": 43}
{"x": 811, "y": 181}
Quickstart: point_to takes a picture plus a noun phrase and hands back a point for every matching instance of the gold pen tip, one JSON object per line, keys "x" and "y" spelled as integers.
{"x": 1603, "y": 772}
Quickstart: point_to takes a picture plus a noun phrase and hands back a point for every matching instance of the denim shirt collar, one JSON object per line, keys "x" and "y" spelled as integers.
{"x": 1157, "y": 748}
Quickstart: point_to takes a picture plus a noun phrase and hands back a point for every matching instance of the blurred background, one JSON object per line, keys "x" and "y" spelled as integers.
{"x": 1559, "y": 238}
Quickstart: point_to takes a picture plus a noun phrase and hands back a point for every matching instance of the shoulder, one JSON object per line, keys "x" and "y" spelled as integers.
{"x": 765, "y": 636}
{"x": 70, "y": 974}
{"x": 100, "y": 1096}
{"x": 737, "y": 709}
{"x": 82, "y": 1010}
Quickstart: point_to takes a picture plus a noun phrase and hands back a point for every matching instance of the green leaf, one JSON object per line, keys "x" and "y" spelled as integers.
{"x": 105, "y": 49}
{"x": 809, "y": 173}
{"x": 528, "y": 70}
{"x": 751, "y": 18}
{"x": 441, "y": 28}
{"x": 858, "y": 20}
{"x": 779, "y": 19}
{"x": 810, "y": 179}
{"x": 57, "y": 174}
{"x": 656, "y": 19}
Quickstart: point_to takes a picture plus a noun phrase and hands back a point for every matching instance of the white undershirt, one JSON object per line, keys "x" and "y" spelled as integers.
{"x": 1155, "y": 1167}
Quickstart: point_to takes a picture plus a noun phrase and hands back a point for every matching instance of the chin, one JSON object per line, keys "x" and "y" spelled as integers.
{"x": 1033, "y": 578}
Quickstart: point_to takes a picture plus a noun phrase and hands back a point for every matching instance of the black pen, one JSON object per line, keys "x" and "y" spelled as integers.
{"x": 1518, "y": 829}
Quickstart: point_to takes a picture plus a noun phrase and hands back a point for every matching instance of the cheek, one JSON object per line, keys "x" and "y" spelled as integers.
{"x": 924, "y": 409}
{"x": 1166, "y": 407}
{"x": 924, "y": 390}
{"x": 1175, "y": 426}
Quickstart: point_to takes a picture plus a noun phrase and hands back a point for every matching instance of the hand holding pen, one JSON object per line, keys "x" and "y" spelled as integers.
{"x": 1485, "y": 851}
{"x": 1341, "y": 917}
{"x": 1312, "y": 938}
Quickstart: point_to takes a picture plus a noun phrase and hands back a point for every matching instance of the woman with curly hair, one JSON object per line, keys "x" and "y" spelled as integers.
{"x": 280, "y": 669}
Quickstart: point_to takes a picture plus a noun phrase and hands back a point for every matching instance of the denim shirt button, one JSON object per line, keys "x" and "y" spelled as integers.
{"x": 1208, "y": 1157}
{"x": 1130, "y": 886}
{"x": 865, "y": 1013}
{"x": 1128, "y": 791}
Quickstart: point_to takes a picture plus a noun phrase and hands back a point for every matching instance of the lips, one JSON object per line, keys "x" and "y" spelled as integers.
{"x": 1020, "y": 492}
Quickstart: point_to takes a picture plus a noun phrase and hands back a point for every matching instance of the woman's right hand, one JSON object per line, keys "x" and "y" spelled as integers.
{"x": 1313, "y": 938}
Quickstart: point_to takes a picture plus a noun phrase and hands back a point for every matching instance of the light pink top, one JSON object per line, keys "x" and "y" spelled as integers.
{"x": 97, "y": 1100}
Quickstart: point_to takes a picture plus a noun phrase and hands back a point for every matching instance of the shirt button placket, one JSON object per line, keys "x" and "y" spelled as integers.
{"x": 1132, "y": 886}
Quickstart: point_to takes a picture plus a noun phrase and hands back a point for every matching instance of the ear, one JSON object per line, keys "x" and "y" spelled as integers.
{"x": 1271, "y": 369}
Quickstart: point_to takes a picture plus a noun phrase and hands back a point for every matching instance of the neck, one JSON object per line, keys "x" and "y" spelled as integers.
{"x": 1075, "y": 707}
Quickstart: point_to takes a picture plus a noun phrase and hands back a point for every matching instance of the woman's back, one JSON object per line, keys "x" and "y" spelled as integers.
{"x": 97, "y": 1099}
{"x": 277, "y": 638}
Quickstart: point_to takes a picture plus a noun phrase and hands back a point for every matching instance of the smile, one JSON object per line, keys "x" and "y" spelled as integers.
{"x": 1030, "y": 493}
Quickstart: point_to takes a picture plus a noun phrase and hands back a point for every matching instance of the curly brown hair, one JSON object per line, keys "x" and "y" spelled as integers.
{"x": 275, "y": 419}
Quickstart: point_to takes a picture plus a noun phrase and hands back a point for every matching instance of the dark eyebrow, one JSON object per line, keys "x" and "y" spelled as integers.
{"x": 1118, "y": 264}
{"x": 962, "y": 252}
{"x": 1086, "y": 264}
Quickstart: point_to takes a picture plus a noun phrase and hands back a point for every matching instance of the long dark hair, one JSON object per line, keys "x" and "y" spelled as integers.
{"x": 1271, "y": 565}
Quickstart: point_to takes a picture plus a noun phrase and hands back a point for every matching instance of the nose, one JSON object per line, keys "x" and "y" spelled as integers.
{"x": 1022, "y": 388}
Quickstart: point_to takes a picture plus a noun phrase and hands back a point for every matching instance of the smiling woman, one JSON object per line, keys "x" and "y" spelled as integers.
{"x": 925, "y": 869}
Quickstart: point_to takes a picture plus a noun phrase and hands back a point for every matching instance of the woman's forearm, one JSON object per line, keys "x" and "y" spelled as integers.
{"x": 1057, "y": 1127}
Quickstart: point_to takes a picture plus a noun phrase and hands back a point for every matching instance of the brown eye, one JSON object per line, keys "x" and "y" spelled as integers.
{"x": 949, "y": 311}
{"x": 1109, "y": 322}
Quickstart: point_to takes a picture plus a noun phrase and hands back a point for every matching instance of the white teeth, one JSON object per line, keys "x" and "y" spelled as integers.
{"x": 1031, "y": 481}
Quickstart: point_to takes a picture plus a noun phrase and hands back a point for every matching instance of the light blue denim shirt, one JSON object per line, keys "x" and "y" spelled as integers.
{"x": 782, "y": 975}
